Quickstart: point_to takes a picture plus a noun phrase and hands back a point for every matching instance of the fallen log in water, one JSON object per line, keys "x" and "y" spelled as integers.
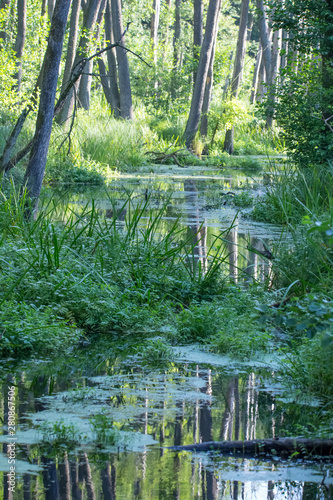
{"x": 283, "y": 447}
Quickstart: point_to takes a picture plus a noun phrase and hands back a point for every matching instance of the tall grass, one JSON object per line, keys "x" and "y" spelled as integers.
{"x": 89, "y": 272}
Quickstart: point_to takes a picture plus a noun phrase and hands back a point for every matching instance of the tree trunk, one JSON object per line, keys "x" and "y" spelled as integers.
{"x": 265, "y": 40}
{"x": 261, "y": 89}
{"x": 89, "y": 19}
{"x": 238, "y": 68}
{"x": 276, "y": 46}
{"x": 155, "y": 19}
{"x": 20, "y": 38}
{"x": 197, "y": 31}
{"x": 112, "y": 63}
{"x": 256, "y": 75}
{"x": 200, "y": 82}
{"x": 70, "y": 56}
{"x": 126, "y": 107}
{"x": 50, "y": 8}
{"x": 316, "y": 448}
{"x": 176, "y": 37}
{"x": 35, "y": 170}
{"x": 93, "y": 13}
{"x": 207, "y": 96}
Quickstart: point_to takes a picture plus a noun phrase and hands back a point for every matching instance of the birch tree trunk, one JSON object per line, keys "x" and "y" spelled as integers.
{"x": 238, "y": 68}
{"x": 35, "y": 170}
{"x": 112, "y": 63}
{"x": 176, "y": 37}
{"x": 155, "y": 19}
{"x": 200, "y": 81}
{"x": 20, "y": 38}
{"x": 126, "y": 107}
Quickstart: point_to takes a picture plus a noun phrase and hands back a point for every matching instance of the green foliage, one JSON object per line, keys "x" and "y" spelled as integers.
{"x": 60, "y": 435}
{"x": 104, "y": 430}
{"x": 68, "y": 172}
{"x": 27, "y": 329}
{"x": 243, "y": 199}
{"x": 199, "y": 322}
{"x": 154, "y": 351}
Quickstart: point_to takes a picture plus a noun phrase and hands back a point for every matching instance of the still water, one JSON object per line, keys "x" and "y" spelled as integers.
{"x": 97, "y": 423}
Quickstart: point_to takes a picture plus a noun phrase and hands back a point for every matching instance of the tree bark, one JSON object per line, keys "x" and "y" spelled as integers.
{"x": 265, "y": 40}
{"x": 276, "y": 46}
{"x": 176, "y": 37}
{"x": 89, "y": 19}
{"x": 197, "y": 31}
{"x": 35, "y": 170}
{"x": 208, "y": 94}
{"x": 155, "y": 19}
{"x": 126, "y": 107}
{"x": 50, "y": 8}
{"x": 70, "y": 56}
{"x": 20, "y": 38}
{"x": 238, "y": 68}
{"x": 256, "y": 75}
{"x": 200, "y": 82}
{"x": 284, "y": 447}
{"x": 93, "y": 13}
{"x": 112, "y": 63}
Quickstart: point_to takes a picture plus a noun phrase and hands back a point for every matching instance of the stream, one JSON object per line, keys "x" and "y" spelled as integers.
{"x": 97, "y": 423}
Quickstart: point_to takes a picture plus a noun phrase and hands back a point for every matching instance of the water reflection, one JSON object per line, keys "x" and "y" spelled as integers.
{"x": 198, "y": 203}
{"x": 175, "y": 405}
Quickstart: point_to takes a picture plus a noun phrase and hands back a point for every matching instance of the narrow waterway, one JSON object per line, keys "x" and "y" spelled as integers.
{"x": 97, "y": 423}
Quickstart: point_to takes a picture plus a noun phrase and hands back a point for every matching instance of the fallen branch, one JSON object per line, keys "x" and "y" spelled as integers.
{"x": 282, "y": 447}
{"x": 163, "y": 156}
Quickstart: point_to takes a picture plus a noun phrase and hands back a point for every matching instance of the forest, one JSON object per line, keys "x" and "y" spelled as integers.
{"x": 166, "y": 249}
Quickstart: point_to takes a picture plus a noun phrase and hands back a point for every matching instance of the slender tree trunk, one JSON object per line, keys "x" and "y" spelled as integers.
{"x": 265, "y": 40}
{"x": 208, "y": 92}
{"x": 50, "y": 8}
{"x": 176, "y": 37}
{"x": 89, "y": 19}
{"x": 261, "y": 89}
{"x": 276, "y": 46}
{"x": 238, "y": 68}
{"x": 70, "y": 56}
{"x": 126, "y": 107}
{"x": 20, "y": 38}
{"x": 85, "y": 81}
{"x": 155, "y": 19}
{"x": 35, "y": 170}
{"x": 200, "y": 82}
{"x": 197, "y": 31}
{"x": 256, "y": 75}
{"x": 112, "y": 63}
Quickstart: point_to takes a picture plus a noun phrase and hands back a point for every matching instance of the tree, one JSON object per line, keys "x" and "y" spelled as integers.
{"x": 200, "y": 81}
{"x": 197, "y": 31}
{"x": 126, "y": 106}
{"x": 20, "y": 38}
{"x": 114, "y": 99}
{"x": 35, "y": 170}
{"x": 238, "y": 68}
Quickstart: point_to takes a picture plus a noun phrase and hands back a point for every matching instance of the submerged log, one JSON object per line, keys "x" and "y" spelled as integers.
{"x": 283, "y": 447}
